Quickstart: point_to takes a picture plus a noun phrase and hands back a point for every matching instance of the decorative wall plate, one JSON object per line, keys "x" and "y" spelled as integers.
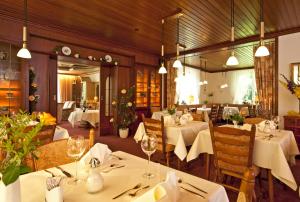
{"x": 66, "y": 50}
{"x": 108, "y": 58}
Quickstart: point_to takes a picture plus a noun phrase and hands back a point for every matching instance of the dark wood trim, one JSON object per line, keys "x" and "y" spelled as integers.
{"x": 228, "y": 69}
{"x": 225, "y": 44}
{"x": 276, "y": 76}
{"x": 148, "y": 65}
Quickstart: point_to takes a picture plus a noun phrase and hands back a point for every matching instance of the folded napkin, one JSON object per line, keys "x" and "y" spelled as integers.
{"x": 266, "y": 128}
{"x": 185, "y": 118}
{"x": 169, "y": 120}
{"x": 54, "y": 192}
{"x": 98, "y": 151}
{"x": 167, "y": 191}
{"x": 54, "y": 195}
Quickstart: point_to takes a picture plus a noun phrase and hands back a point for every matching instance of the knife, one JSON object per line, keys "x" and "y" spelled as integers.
{"x": 64, "y": 172}
{"x": 192, "y": 192}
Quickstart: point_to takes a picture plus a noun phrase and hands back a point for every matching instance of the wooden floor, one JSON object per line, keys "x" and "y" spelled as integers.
{"x": 196, "y": 167}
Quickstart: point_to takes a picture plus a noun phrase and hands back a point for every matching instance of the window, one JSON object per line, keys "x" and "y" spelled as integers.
{"x": 187, "y": 87}
{"x": 244, "y": 86}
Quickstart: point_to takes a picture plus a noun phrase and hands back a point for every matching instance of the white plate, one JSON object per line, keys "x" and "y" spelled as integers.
{"x": 66, "y": 50}
{"x": 108, "y": 58}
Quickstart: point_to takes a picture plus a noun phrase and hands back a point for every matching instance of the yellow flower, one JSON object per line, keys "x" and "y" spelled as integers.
{"x": 123, "y": 91}
{"x": 129, "y": 104}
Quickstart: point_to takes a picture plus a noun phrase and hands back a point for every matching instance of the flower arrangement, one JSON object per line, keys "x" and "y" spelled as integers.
{"x": 172, "y": 110}
{"x": 238, "y": 118}
{"x": 16, "y": 142}
{"x": 292, "y": 87}
{"x": 33, "y": 99}
{"x": 125, "y": 109}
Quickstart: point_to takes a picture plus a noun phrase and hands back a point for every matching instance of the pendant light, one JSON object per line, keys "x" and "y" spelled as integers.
{"x": 200, "y": 83}
{"x": 232, "y": 60}
{"x": 162, "y": 69}
{"x": 225, "y": 85}
{"x": 177, "y": 63}
{"x": 205, "y": 82}
{"x": 262, "y": 49}
{"x": 24, "y": 52}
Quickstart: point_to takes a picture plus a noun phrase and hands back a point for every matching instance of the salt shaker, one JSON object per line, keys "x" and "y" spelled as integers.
{"x": 95, "y": 181}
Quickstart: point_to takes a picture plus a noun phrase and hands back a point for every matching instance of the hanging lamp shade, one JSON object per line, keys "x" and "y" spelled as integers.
{"x": 24, "y": 52}
{"x": 177, "y": 64}
{"x": 232, "y": 60}
{"x": 262, "y": 50}
{"x": 162, "y": 69}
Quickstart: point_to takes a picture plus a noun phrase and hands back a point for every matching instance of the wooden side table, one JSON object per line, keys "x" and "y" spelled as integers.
{"x": 293, "y": 123}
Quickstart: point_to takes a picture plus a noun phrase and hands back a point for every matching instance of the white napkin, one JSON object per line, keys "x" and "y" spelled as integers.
{"x": 184, "y": 119}
{"x": 54, "y": 195}
{"x": 99, "y": 151}
{"x": 11, "y": 192}
{"x": 167, "y": 191}
{"x": 262, "y": 126}
{"x": 169, "y": 120}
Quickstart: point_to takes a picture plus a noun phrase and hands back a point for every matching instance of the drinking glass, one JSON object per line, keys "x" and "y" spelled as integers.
{"x": 149, "y": 144}
{"x": 75, "y": 149}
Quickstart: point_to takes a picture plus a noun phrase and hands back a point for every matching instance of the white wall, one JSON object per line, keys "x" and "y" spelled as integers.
{"x": 288, "y": 52}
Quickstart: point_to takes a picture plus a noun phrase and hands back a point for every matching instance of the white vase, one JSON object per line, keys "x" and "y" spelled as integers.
{"x": 11, "y": 192}
{"x": 123, "y": 132}
{"x": 235, "y": 123}
{"x": 94, "y": 182}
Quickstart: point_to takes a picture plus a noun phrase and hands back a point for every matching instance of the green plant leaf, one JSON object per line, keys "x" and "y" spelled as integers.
{"x": 24, "y": 170}
{"x": 11, "y": 174}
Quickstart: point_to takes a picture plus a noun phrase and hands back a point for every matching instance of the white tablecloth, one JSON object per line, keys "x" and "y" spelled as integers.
{"x": 180, "y": 136}
{"x": 33, "y": 185}
{"x": 60, "y": 133}
{"x": 273, "y": 154}
{"x": 91, "y": 116}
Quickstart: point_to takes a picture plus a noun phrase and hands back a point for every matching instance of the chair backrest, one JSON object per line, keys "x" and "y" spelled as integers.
{"x": 252, "y": 111}
{"x": 214, "y": 113}
{"x": 256, "y": 120}
{"x": 45, "y": 135}
{"x": 244, "y": 111}
{"x": 233, "y": 148}
{"x": 156, "y": 127}
{"x": 198, "y": 116}
{"x": 55, "y": 153}
{"x": 220, "y": 112}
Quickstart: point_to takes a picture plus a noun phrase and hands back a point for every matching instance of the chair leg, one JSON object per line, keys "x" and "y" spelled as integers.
{"x": 207, "y": 167}
{"x": 271, "y": 186}
{"x": 178, "y": 164}
{"x": 168, "y": 159}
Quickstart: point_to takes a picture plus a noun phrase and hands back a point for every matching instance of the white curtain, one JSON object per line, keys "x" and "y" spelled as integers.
{"x": 187, "y": 87}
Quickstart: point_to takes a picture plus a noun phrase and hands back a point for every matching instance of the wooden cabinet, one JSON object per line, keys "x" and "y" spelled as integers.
{"x": 10, "y": 81}
{"x": 148, "y": 88}
{"x": 293, "y": 123}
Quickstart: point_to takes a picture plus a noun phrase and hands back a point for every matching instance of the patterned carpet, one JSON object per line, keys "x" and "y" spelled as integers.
{"x": 196, "y": 167}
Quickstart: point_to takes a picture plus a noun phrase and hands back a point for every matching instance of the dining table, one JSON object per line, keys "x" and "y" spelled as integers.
{"x": 90, "y": 116}
{"x": 274, "y": 152}
{"x": 176, "y": 134}
{"x": 33, "y": 185}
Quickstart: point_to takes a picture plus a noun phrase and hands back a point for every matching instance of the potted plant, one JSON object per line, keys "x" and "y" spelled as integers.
{"x": 125, "y": 111}
{"x": 172, "y": 110}
{"x": 237, "y": 119}
{"x": 16, "y": 142}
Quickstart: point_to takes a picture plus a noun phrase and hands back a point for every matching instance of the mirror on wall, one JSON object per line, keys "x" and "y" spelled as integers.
{"x": 295, "y": 73}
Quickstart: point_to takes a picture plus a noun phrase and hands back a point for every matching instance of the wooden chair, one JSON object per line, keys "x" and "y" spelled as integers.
{"x": 244, "y": 111}
{"x": 233, "y": 151}
{"x": 55, "y": 153}
{"x": 156, "y": 127}
{"x": 252, "y": 111}
{"x": 256, "y": 120}
{"x": 198, "y": 117}
{"x": 220, "y": 114}
{"x": 214, "y": 113}
{"x": 46, "y": 134}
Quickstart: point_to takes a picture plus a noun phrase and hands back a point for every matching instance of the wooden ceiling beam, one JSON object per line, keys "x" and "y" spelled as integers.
{"x": 228, "y": 69}
{"x": 245, "y": 40}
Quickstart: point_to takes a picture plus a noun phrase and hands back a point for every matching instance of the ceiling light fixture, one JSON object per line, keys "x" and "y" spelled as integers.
{"x": 262, "y": 50}
{"x": 162, "y": 69}
{"x": 232, "y": 60}
{"x": 177, "y": 63}
{"x": 225, "y": 85}
{"x": 24, "y": 52}
{"x": 205, "y": 82}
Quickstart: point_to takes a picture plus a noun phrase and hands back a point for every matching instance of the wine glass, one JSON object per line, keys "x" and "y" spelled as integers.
{"x": 149, "y": 144}
{"x": 75, "y": 149}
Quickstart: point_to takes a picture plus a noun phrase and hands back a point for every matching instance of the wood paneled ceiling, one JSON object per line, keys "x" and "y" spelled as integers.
{"x": 137, "y": 23}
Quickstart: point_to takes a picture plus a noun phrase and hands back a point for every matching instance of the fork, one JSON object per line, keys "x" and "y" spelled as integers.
{"x": 135, "y": 193}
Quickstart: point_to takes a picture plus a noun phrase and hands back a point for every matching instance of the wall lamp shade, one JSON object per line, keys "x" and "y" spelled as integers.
{"x": 262, "y": 51}
{"x": 232, "y": 60}
{"x": 24, "y": 52}
{"x": 177, "y": 64}
{"x": 224, "y": 85}
{"x": 162, "y": 69}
